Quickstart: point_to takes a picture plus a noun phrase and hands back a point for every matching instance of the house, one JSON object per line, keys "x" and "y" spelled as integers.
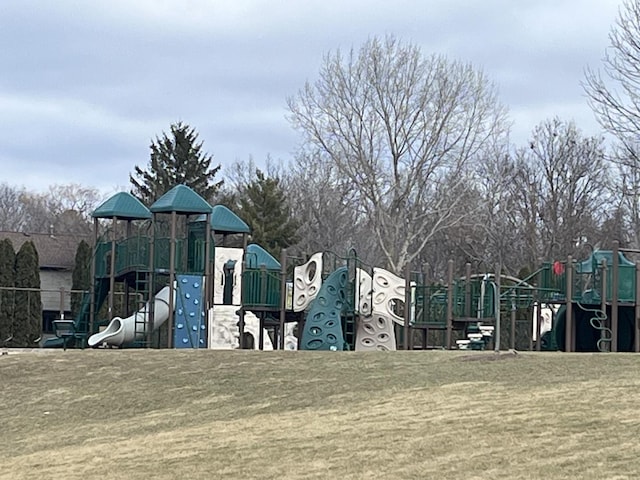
{"x": 56, "y": 254}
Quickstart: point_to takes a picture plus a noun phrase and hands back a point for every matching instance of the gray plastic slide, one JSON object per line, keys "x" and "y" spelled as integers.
{"x": 123, "y": 330}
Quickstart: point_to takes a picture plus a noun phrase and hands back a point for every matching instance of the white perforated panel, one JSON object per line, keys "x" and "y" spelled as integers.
{"x": 307, "y": 279}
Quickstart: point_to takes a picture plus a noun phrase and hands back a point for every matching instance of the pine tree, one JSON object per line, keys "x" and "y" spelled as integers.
{"x": 7, "y": 282}
{"x": 263, "y": 205}
{"x": 176, "y": 159}
{"x": 81, "y": 276}
{"x": 28, "y": 310}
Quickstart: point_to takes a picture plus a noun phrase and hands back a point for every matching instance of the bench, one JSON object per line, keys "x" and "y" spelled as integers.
{"x": 66, "y": 330}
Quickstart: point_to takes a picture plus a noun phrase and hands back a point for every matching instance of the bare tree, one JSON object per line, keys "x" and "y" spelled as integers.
{"x": 614, "y": 96}
{"x": 616, "y": 99}
{"x": 325, "y": 207}
{"x": 11, "y": 208}
{"x": 63, "y": 209}
{"x": 401, "y": 129}
{"x": 495, "y": 237}
{"x": 564, "y": 191}
{"x": 626, "y": 217}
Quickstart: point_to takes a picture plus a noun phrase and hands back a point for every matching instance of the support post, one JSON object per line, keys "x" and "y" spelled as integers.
{"x": 241, "y": 309}
{"x": 112, "y": 266}
{"x": 496, "y": 307}
{"x": 92, "y": 280}
{"x": 602, "y": 343}
{"x": 512, "y": 343}
{"x": 538, "y": 323}
{"x": 568, "y": 339}
{"x": 467, "y": 290}
{"x": 208, "y": 278}
{"x": 636, "y": 322}
{"x": 151, "y": 283}
{"x": 283, "y": 297}
{"x": 449, "y": 330}
{"x": 615, "y": 272}
{"x": 172, "y": 275}
{"x": 407, "y": 307}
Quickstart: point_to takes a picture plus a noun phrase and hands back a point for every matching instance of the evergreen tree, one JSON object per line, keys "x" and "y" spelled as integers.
{"x": 263, "y": 205}
{"x": 176, "y": 159}
{"x": 7, "y": 283}
{"x": 81, "y": 276}
{"x": 28, "y": 311}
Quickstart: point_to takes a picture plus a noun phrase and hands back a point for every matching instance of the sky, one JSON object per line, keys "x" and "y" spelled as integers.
{"x": 86, "y": 85}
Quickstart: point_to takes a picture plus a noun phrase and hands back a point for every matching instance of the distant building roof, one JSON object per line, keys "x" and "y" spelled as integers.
{"x": 122, "y": 205}
{"x": 55, "y": 252}
{"x": 181, "y": 199}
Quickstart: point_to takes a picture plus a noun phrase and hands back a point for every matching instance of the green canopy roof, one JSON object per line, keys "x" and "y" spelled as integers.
{"x": 257, "y": 256}
{"x": 181, "y": 199}
{"x": 224, "y": 220}
{"x": 122, "y": 205}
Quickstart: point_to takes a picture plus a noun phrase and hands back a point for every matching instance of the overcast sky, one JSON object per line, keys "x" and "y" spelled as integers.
{"x": 85, "y": 85}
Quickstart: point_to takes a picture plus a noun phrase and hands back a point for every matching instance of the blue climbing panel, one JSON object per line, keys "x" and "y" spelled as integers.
{"x": 189, "y": 317}
{"x": 323, "y": 325}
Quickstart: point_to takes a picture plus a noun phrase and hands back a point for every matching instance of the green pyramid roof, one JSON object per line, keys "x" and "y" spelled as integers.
{"x": 224, "y": 220}
{"x": 122, "y": 205}
{"x": 181, "y": 199}
{"x": 256, "y": 256}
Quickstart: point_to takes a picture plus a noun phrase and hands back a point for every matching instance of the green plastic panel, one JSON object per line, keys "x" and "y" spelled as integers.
{"x": 261, "y": 288}
{"x": 323, "y": 325}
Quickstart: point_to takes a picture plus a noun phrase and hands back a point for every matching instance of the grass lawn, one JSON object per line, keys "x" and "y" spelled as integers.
{"x": 175, "y": 414}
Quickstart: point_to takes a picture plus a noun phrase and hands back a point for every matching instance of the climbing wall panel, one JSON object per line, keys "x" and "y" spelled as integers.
{"x": 323, "y": 325}
{"x": 375, "y": 333}
{"x": 307, "y": 279}
{"x": 189, "y": 315}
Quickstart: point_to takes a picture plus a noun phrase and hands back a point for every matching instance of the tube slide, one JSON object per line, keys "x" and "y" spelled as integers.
{"x": 123, "y": 330}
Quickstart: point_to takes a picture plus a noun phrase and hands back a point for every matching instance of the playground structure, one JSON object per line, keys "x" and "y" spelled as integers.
{"x": 574, "y": 306}
{"x": 189, "y": 279}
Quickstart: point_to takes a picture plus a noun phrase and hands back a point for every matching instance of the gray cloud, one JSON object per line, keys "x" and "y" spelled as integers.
{"x": 85, "y": 86}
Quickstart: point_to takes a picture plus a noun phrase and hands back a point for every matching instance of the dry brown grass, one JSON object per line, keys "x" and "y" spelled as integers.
{"x": 228, "y": 414}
